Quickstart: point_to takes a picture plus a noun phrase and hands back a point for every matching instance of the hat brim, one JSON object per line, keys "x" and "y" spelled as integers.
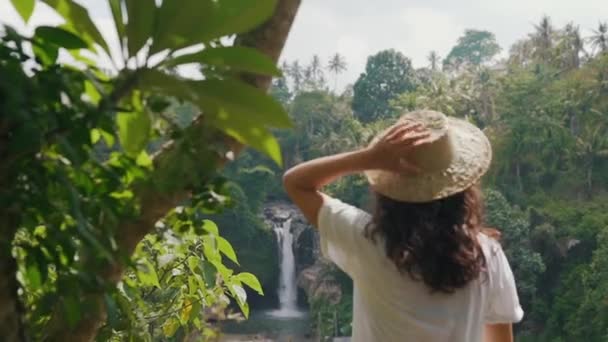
{"x": 471, "y": 160}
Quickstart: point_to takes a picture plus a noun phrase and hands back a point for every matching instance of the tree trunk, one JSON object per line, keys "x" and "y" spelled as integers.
{"x": 155, "y": 203}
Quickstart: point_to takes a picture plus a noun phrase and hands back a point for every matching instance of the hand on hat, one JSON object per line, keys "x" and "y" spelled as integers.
{"x": 390, "y": 151}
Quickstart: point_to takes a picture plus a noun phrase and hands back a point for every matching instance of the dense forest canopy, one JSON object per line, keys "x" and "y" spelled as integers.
{"x": 105, "y": 195}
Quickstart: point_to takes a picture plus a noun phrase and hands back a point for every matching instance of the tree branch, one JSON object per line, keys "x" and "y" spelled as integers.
{"x": 157, "y": 201}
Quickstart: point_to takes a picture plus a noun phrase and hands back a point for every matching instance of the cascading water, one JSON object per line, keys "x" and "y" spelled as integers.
{"x": 288, "y": 296}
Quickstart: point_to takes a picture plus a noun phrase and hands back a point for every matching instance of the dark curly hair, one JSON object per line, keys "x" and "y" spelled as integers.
{"x": 435, "y": 242}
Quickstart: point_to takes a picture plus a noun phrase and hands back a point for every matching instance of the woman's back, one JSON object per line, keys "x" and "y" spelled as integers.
{"x": 421, "y": 268}
{"x": 389, "y": 305}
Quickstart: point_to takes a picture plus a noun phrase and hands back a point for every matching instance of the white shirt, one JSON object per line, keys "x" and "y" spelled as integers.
{"x": 389, "y": 306}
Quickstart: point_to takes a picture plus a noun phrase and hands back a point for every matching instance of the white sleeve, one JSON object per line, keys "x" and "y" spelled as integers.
{"x": 503, "y": 301}
{"x": 341, "y": 230}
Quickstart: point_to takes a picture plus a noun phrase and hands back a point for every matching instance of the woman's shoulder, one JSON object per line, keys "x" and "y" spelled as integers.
{"x": 489, "y": 241}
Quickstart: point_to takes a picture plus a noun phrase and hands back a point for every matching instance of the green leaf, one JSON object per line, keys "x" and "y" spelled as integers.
{"x": 95, "y": 135}
{"x": 170, "y": 327}
{"x": 210, "y": 249}
{"x": 92, "y": 92}
{"x": 133, "y": 131}
{"x": 147, "y": 274}
{"x": 235, "y": 57}
{"x": 192, "y": 285}
{"x": 107, "y": 137}
{"x": 159, "y": 82}
{"x": 144, "y": 160}
{"x": 119, "y": 19}
{"x": 112, "y": 310}
{"x": 238, "y": 292}
{"x": 210, "y": 227}
{"x": 140, "y": 24}
{"x": 251, "y": 281}
{"x": 25, "y": 8}
{"x": 78, "y": 21}
{"x": 196, "y": 309}
{"x": 60, "y": 37}
{"x": 193, "y": 263}
{"x": 33, "y": 276}
{"x": 201, "y": 21}
{"x": 177, "y": 21}
{"x": 71, "y": 309}
{"x": 250, "y": 133}
{"x": 184, "y": 316}
{"x": 235, "y": 16}
{"x": 242, "y": 102}
{"x": 225, "y": 247}
{"x": 47, "y": 53}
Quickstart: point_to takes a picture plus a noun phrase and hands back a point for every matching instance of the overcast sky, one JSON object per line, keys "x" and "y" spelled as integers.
{"x": 358, "y": 28}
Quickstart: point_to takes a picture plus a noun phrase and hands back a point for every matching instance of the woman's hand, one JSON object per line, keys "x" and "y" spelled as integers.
{"x": 390, "y": 152}
{"x": 304, "y": 181}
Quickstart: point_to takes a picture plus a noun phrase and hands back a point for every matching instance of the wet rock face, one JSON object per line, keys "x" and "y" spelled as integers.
{"x": 316, "y": 284}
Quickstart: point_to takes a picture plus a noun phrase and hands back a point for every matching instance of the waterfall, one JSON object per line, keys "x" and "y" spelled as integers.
{"x": 288, "y": 296}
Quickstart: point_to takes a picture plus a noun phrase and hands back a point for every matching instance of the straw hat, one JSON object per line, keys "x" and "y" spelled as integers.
{"x": 455, "y": 159}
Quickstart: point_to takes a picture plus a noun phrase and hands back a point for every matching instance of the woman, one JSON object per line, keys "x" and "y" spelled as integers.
{"x": 422, "y": 265}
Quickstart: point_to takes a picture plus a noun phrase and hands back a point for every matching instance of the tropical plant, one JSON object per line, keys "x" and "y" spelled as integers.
{"x": 599, "y": 39}
{"x": 434, "y": 60}
{"x": 336, "y": 65}
{"x": 543, "y": 39}
{"x": 83, "y": 179}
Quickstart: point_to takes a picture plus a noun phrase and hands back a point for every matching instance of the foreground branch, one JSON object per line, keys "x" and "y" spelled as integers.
{"x": 156, "y": 202}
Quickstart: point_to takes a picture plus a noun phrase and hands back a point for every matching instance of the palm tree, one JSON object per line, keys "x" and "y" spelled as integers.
{"x": 592, "y": 147}
{"x": 521, "y": 52}
{"x": 574, "y": 45}
{"x": 316, "y": 72}
{"x": 337, "y": 65}
{"x": 433, "y": 59}
{"x": 599, "y": 40}
{"x": 543, "y": 39}
{"x": 295, "y": 71}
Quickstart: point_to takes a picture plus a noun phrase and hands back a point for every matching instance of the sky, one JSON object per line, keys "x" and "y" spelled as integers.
{"x": 359, "y": 28}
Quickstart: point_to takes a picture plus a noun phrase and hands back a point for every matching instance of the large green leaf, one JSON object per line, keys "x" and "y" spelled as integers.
{"x": 238, "y": 292}
{"x": 147, "y": 274}
{"x": 249, "y": 133}
{"x": 242, "y": 102}
{"x": 60, "y": 37}
{"x": 45, "y": 52}
{"x": 236, "y": 58}
{"x": 25, "y": 8}
{"x": 235, "y": 16}
{"x": 140, "y": 25}
{"x": 177, "y": 21}
{"x": 133, "y": 131}
{"x": 225, "y": 247}
{"x": 181, "y": 25}
{"x": 210, "y": 227}
{"x": 251, "y": 281}
{"x": 170, "y": 327}
{"x": 159, "y": 82}
{"x": 119, "y": 23}
{"x": 78, "y": 21}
